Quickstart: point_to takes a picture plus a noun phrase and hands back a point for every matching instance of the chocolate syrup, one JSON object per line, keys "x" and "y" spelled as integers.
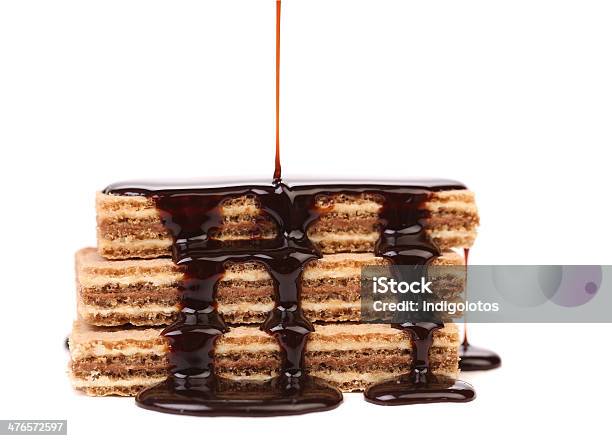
{"x": 473, "y": 358}
{"x": 277, "y": 162}
{"x": 192, "y": 215}
{"x": 420, "y": 385}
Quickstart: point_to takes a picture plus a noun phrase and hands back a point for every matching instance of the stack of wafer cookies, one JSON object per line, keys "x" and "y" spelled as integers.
{"x": 128, "y": 289}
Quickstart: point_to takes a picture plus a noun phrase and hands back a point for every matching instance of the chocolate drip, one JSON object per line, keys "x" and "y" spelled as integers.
{"x": 420, "y": 385}
{"x": 192, "y": 217}
{"x": 473, "y": 358}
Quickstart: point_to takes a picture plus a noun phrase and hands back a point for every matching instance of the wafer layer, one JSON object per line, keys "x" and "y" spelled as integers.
{"x": 131, "y": 226}
{"x": 147, "y": 292}
{"x": 115, "y": 361}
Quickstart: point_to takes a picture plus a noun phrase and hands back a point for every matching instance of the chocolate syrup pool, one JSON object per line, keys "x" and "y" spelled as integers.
{"x": 192, "y": 214}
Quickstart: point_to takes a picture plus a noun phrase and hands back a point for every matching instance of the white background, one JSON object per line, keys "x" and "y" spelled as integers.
{"x": 513, "y": 98}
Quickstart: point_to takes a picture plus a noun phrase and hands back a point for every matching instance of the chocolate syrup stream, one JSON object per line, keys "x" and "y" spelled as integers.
{"x": 474, "y": 358}
{"x": 277, "y": 162}
{"x": 193, "y": 386}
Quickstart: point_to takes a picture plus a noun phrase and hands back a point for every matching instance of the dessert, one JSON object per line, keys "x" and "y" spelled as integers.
{"x": 278, "y": 275}
{"x": 258, "y": 252}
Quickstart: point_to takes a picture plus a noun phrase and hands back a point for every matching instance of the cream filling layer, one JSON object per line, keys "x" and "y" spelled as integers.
{"x": 106, "y": 381}
{"x": 128, "y": 310}
{"x": 79, "y": 352}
